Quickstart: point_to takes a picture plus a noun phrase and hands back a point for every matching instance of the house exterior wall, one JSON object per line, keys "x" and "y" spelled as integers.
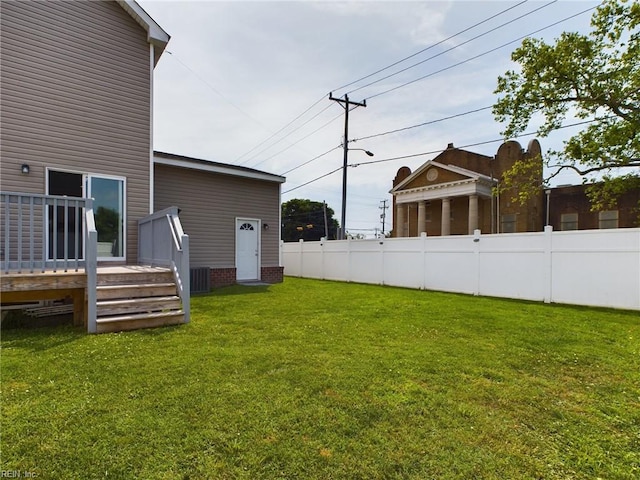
{"x": 209, "y": 204}
{"x": 76, "y": 96}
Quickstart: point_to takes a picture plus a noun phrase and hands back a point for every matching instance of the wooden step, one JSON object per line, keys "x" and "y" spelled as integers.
{"x": 138, "y": 305}
{"x": 141, "y": 277}
{"x": 111, "y": 292}
{"x": 142, "y": 320}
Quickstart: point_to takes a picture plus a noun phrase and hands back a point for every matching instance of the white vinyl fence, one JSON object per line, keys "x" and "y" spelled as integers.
{"x": 585, "y": 267}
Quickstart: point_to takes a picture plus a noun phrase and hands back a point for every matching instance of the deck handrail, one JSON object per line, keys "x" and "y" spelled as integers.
{"x": 24, "y": 246}
{"x": 162, "y": 241}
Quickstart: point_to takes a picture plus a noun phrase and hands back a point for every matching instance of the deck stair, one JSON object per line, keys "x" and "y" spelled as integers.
{"x": 129, "y": 298}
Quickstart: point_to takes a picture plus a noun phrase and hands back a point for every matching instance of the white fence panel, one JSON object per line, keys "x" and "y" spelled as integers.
{"x": 336, "y": 260}
{"x": 403, "y": 262}
{"x": 513, "y": 266}
{"x": 451, "y": 264}
{"x": 586, "y": 267}
{"x": 313, "y": 258}
{"x": 599, "y": 267}
{"x": 366, "y": 261}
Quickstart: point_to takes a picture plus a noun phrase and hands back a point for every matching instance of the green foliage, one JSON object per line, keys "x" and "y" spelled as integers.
{"x": 325, "y": 380}
{"x": 522, "y": 181}
{"x": 304, "y": 219}
{"x": 594, "y": 76}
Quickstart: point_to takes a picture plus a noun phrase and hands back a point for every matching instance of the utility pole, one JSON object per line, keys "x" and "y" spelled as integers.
{"x": 383, "y": 215}
{"x": 345, "y": 103}
{"x": 326, "y": 223}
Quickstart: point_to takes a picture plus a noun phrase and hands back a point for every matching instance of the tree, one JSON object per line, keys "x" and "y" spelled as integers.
{"x": 594, "y": 77}
{"x": 304, "y": 219}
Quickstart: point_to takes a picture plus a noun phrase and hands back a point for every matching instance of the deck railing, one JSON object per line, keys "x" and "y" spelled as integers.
{"x": 50, "y": 233}
{"x": 162, "y": 242}
{"x": 43, "y": 232}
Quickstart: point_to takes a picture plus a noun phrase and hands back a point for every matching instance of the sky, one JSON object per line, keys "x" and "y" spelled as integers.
{"x": 248, "y": 83}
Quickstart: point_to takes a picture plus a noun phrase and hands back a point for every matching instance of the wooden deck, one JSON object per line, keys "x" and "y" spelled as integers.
{"x": 120, "y": 289}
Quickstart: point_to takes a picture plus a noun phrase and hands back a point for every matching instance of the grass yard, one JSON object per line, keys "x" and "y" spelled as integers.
{"x": 324, "y": 380}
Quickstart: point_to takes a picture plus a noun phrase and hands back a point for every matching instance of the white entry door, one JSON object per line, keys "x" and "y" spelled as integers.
{"x": 247, "y": 249}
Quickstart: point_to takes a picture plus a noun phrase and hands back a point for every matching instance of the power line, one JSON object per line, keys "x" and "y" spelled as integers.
{"x": 481, "y": 54}
{"x": 454, "y": 47}
{"x": 403, "y": 157}
{"x": 303, "y": 138}
{"x": 313, "y": 159}
{"x": 314, "y": 180}
{"x": 430, "y": 46}
{"x": 431, "y": 122}
{"x": 370, "y": 75}
{"x": 443, "y": 69}
{"x": 216, "y": 91}
{"x": 528, "y": 134}
{"x": 289, "y": 134}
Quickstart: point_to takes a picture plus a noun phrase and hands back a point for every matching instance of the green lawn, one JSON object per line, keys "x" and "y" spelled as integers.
{"x": 324, "y": 380}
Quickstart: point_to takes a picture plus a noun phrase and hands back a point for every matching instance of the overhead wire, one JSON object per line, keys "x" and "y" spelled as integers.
{"x": 215, "y": 90}
{"x": 289, "y": 134}
{"x": 372, "y": 74}
{"x": 431, "y": 122}
{"x": 481, "y": 54}
{"x": 459, "y": 63}
{"x": 300, "y": 140}
{"x": 432, "y": 152}
{"x": 430, "y": 46}
{"x": 313, "y": 159}
{"x": 454, "y": 47}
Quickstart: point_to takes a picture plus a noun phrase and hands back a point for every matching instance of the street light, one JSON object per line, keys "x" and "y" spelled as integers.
{"x": 343, "y": 218}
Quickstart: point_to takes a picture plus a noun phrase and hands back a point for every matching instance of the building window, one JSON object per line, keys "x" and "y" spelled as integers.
{"x": 508, "y": 223}
{"x": 608, "y": 219}
{"x": 569, "y": 221}
{"x": 427, "y": 211}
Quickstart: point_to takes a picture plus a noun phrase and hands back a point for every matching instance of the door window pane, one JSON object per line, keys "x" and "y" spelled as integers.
{"x": 108, "y": 209}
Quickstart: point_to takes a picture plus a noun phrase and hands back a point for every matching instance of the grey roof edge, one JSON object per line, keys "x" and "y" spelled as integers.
{"x": 155, "y": 33}
{"x": 172, "y": 159}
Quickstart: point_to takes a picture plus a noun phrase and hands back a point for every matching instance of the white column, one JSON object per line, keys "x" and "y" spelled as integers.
{"x": 445, "y": 228}
{"x": 422, "y": 213}
{"x": 400, "y": 220}
{"x": 473, "y": 213}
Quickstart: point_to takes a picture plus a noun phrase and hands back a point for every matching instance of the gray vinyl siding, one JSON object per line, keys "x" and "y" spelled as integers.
{"x": 210, "y": 203}
{"x": 76, "y": 97}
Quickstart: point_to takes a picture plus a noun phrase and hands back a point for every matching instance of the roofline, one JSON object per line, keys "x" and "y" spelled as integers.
{"x": 155, "y": 34}
{"x": 173, "y": 160}
{"x": 431, "y": 163}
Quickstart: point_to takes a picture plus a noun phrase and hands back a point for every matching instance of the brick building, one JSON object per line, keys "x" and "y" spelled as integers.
{"x": 569, "y": 209}
{"x": 453, "y": 195}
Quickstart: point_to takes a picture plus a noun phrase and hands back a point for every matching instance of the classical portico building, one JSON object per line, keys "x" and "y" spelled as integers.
{"x": 453, "y": 194}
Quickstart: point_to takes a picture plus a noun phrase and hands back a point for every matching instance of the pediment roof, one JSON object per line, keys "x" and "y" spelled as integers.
{"x": 458, "y": 174}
